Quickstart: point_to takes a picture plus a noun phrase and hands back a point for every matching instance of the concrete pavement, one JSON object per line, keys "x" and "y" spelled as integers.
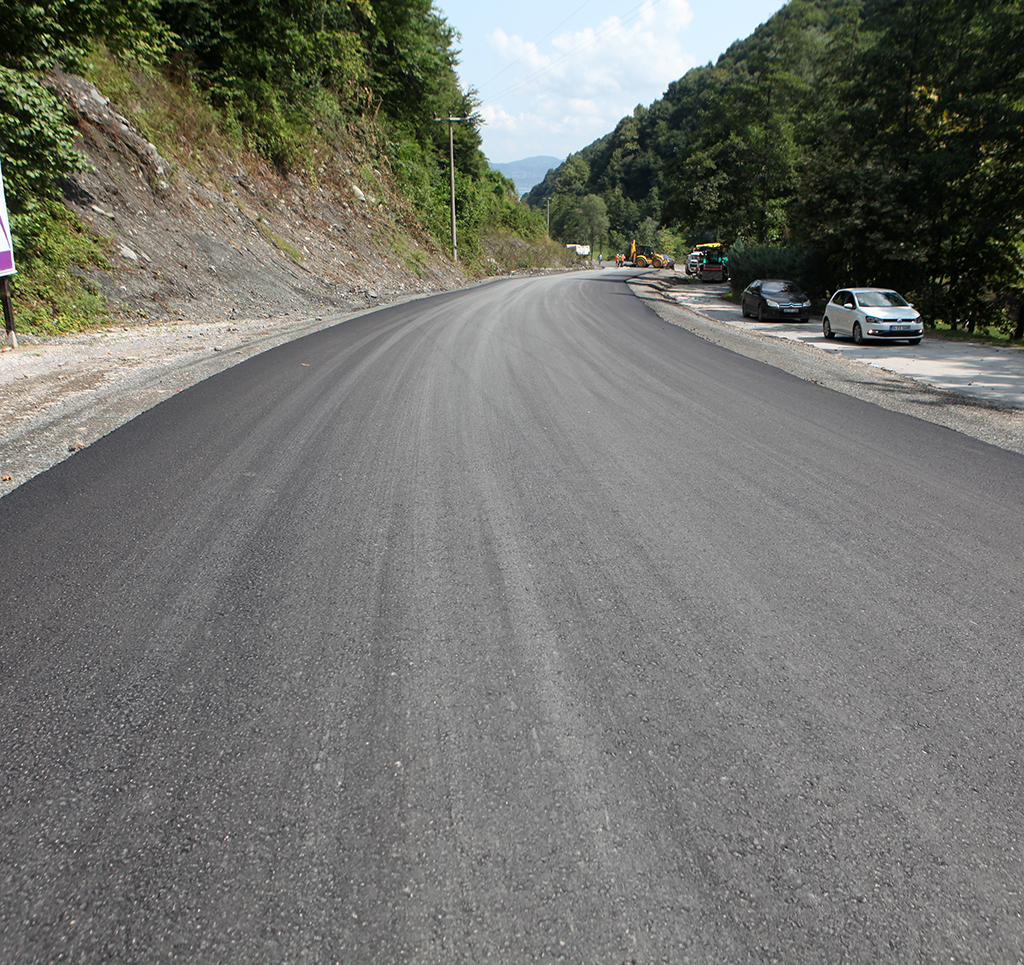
{"x": 975, "y": 369}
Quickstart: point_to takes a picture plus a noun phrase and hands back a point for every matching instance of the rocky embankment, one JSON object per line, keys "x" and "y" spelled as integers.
{"x": 211, "y": 237}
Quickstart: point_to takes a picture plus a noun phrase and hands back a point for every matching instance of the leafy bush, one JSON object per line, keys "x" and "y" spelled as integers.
{"x": 51, "y": 293}
{"x": 37, "y": 146}
{"x": 508, "y": 253}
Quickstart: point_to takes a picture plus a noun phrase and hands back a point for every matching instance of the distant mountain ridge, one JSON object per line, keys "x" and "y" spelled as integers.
{"x": 527, "y": 172}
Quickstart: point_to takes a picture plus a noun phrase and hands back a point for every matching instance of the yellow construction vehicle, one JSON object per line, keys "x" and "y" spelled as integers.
{"x": 644, "y": 256}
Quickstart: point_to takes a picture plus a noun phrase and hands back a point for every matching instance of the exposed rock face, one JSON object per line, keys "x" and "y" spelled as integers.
{"x": 207, "y": 237}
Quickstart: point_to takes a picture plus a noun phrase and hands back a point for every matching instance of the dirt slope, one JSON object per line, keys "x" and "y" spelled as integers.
{"x": 208, "y": 237}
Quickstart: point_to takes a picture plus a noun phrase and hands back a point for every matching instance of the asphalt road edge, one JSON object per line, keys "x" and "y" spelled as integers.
{"x": 998, "y": 425}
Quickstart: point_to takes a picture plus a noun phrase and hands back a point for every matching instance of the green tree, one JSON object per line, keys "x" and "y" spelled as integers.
{"x": 573, "y": 176}
{"x": 647, "y": 232}
{"x": 916, "y": 178}
{"x": 565, "y": 218}
{"x": 592, "y": 221}
{"x": 623, "y": 215}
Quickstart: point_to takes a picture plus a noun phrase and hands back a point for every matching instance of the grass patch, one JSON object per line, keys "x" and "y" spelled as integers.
{"x": 989, "y": 335}
{"x": 51, "y": 296}
{"x": 507, "y": 253}
{"x": 414, "y": 259}
{"x": 290, "y": 250}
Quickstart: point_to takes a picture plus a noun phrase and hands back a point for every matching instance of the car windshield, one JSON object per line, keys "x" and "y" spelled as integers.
{"x": 880, "y": 299}
{"x": 781, "y": 286}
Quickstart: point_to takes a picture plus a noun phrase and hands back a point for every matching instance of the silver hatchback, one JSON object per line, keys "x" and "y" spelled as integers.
{"x": 864, "y": 313}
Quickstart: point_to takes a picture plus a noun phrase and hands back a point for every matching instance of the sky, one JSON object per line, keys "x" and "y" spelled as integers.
{"x": 555, "y": 75}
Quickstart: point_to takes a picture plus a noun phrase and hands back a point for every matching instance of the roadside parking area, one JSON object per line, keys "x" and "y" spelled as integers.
{"x": 983, "y": 371}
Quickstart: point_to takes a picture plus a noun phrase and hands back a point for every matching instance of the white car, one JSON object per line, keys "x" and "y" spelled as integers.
{"x": 864, "y": 313}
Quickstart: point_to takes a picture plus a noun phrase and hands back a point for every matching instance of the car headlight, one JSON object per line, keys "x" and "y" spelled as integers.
{"x": 871, "y": 320}
{"x": 806, "y": 303}
{"x": 771, "y": 304}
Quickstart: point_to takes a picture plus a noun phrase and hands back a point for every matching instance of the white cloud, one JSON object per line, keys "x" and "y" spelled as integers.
{"x": 643, "y": 49}
{"x": 499, "y": 120}
{"x": 581, "y": 85}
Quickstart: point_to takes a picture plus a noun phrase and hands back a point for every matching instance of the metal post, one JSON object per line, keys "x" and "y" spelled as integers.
{"x": 451, "y": 169}
{"x": 5, "y": 297}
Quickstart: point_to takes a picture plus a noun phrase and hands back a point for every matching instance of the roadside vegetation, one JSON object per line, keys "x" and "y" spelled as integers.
{"x": 305, "y": 85}
{"x": 845, "y": 142}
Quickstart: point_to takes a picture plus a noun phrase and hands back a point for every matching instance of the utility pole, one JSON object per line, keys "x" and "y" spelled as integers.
{"x": 451, "y": 169}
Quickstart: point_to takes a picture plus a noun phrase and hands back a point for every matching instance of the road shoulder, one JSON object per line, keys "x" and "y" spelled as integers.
{"x": 998, "y": 425}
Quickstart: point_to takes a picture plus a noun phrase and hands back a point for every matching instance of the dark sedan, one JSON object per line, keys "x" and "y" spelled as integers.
{"x": 775, "y": 298}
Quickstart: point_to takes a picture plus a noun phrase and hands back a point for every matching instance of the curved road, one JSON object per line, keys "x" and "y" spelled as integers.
{"x": 514, "y": 624}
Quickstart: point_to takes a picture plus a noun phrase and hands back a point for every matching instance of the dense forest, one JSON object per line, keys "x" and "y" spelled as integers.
{"x": 293, "y": 80}
{"x": 845, "y": 142}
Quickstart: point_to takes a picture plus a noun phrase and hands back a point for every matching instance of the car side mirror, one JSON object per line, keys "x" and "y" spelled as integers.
{"x": 848, "y": 305}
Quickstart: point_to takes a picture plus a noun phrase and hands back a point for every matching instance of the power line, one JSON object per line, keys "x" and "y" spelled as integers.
{"x": 585, "y": 3}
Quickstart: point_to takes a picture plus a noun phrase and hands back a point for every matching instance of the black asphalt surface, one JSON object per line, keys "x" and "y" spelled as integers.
{"x": 514, "y": 625}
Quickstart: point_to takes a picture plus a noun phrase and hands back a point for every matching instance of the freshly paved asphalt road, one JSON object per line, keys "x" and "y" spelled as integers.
{"x": 514, "y": 624}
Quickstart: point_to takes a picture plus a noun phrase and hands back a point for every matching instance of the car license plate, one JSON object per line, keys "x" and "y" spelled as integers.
{"x": 792, "y": 311}
{"x": 900, "y": 328}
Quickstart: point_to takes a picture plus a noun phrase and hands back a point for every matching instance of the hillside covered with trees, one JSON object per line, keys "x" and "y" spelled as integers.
{"x": 844, "y": 142}
{"x": 304, "y": 84}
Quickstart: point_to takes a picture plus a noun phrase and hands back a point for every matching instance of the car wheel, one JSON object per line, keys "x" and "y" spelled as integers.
{"x": 826, "y": 329}
{"x": 914, "y": 341}
{"x": 858, "y": 335}
{"x": 743, "y": 308}
{"x": 760, "y": 313}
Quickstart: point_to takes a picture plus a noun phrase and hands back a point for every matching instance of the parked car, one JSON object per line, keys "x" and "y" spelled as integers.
{"x": 775, "y": 298}
{"x": 693, "y": 263}
{"x": 864, "y": 313}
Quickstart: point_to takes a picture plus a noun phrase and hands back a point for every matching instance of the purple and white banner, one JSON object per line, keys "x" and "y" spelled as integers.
{"x": 6, "y": 244}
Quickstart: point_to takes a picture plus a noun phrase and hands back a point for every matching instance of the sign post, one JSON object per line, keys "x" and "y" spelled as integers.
{"x": 6, "y": 265}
